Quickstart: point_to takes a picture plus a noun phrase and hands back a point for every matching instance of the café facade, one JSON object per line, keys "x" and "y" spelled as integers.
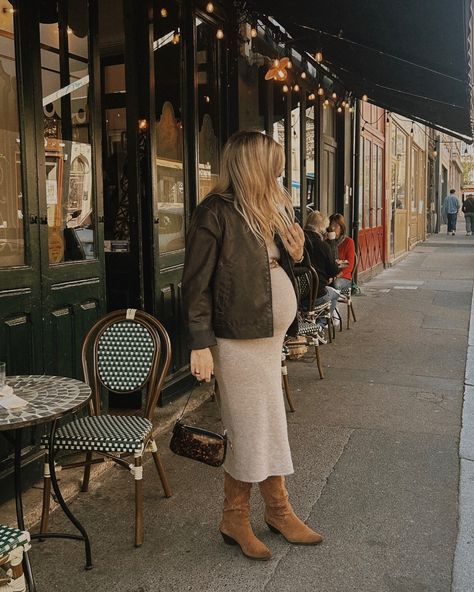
{"x": 113, "y": 115}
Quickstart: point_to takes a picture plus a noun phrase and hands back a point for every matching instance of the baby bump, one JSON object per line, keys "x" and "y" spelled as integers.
{"x": 283, "y": 300}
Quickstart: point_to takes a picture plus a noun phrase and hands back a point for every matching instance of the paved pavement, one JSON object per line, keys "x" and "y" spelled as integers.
{"x": 376, "y": 451}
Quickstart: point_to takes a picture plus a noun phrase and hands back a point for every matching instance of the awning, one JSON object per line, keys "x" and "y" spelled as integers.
{"x": 412, "y": 57}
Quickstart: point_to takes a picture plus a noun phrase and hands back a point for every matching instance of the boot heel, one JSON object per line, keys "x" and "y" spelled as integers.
{"x": 228, "y": 540}
{"x": 273, "y": 529}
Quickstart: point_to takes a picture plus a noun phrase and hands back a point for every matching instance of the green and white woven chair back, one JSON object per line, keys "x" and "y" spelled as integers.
{"x": 304, "y": 285}
{"x": 125, "y": 356}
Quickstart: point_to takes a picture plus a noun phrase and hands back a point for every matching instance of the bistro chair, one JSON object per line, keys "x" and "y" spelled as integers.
{"x": 13, "y": 544}
{"x": 126, "y": 351}
{"x": 284, "y": 376}
{"x": 308, "y": 283}
{"x": 346, "y": 297}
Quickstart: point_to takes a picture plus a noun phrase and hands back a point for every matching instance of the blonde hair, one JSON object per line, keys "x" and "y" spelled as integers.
{"x": 251, "y": 164}
{"x": 317, "y": 222}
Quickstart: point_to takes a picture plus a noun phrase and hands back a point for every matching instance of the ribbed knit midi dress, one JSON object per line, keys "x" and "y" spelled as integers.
{"x": 248, "y": 372}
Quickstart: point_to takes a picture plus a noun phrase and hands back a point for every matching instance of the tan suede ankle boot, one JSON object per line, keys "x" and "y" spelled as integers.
{"x": 235, "y": 525}
{"x": 279, "y": 514}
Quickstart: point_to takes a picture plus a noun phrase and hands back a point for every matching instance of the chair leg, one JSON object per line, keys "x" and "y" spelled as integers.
{"x": 318, "y": 361}
{"x": 87, "y": 473}
{"x": 328, "y": 326}
{"x": 340, "y": 320}
{"x": 286, "y": 386}
{"x": 161, "y": 469}
{"x": 46, "y": 495}
{"x": 348, "y": 315}
{"x": 138, "y": 474}
{"x": 353, "y": 314}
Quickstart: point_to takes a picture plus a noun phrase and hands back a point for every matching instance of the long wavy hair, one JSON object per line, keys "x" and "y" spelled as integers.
{"x": 250, "y": 167}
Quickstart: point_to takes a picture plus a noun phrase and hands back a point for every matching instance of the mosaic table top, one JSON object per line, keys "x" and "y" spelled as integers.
{"x": 49, "y": 397}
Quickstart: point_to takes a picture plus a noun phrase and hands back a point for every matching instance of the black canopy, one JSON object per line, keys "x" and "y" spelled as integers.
{"x": 409, "y": 56}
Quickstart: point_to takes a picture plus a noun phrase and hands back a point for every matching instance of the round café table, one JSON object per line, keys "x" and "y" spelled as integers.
{"x": 49, "y": 399}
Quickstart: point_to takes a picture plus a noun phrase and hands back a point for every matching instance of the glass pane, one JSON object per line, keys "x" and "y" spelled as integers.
{"x": 208, "y": 106}
{"x": 401, "y": 164}
{"x": 379, "y": 185}
{"x": 12, "y": 245}
{"x": 373, "y": 194}
{"x": 169, "y": 197}
{"x": 310, "y": 168}
{"x": 295, "y": 156}
{"x": 68, "y": 152}
{"x": 367, "y": 158}
{"x": 328, "y": 120}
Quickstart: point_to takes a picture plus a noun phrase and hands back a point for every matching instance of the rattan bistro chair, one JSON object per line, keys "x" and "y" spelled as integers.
{"x": 13, "y": 544}
{"x": 346, "y": 297}
{"x": 126, "y": 351}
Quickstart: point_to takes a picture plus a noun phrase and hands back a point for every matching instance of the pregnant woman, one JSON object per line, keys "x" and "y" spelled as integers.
{"x": 240, "y": 299}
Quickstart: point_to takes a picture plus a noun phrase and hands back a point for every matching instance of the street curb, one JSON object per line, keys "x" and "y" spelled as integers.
{"x": 70, "y": 480}
{"x": 463, "y": 568}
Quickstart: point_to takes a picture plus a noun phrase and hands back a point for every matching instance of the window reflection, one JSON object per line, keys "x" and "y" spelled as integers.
{"x": 169, "y": 197}
{"x": 68, "y": 154}
{"x": 208, "y": 106}
{"x": 12, "y": 247}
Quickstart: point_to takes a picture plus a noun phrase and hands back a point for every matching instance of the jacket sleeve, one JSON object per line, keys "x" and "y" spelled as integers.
{"x": 331, "y": 266}
{"x": 203, "y": 245}
{"x": 350, "y": 254}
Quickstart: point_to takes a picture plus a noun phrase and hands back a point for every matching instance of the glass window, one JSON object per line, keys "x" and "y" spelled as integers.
{"x": 310, "y": 157}
{"x": 295, "y": 156}
{"x": 207, "y": 66}
{"x": 12, "y": 244}
{"x": 68, "y": 152}
{"x": 367, "y": 179}
{"x": 401, "y": 169}
{"x": 374, "y": 182}
{"x": 169, "y": 194}
{"x": 379, "y": 185}
{"x": 279, "y": 106}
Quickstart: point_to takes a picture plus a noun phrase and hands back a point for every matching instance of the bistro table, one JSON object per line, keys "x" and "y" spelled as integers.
{"x": 49, "y": 398}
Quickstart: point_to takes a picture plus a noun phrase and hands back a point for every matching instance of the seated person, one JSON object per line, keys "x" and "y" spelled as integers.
{"x": 345, "y": 250}
{"x": 321, "y": 257}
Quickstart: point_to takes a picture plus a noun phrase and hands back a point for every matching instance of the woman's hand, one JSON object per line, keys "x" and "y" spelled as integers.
{"x": 293, "y": 239}
{"x": 202, "y": 364}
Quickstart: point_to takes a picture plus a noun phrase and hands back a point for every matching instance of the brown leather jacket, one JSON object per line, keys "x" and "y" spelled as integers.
{"x": 226, "y": 283}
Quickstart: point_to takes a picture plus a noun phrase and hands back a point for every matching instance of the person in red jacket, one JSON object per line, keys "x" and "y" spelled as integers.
{"x": 345, "y": 251}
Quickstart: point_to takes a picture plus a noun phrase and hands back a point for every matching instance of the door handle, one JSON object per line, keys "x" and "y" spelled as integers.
{"x": 43, "y": 220}
{"x": 33, "y": 219}
{"x": 156, "y": 221}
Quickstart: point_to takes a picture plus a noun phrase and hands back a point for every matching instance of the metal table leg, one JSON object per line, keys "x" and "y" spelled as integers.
{"x": 54, "y": 482}
{"x": 19, "y": 511}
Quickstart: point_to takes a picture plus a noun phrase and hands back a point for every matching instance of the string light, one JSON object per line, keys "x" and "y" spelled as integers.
{"x": 176, "y": 39}
{"x": 311, "y": 97}
{"x": 296, "y": 88}
{"x": 365, "y": 98}
{"x": 321, "y": 91}
{"x": 339, "y": 109}
{"x": 220, "y": 34}
{"x": 303, "y": 75}
{"x": 343, "y": 104}
{"x": 435, "y": 153}
{"x": 209, "y": 7}
{"x": 290, "y": 64}
{"x": 326, "y": 102}
{"x": 334, "y": 95}
{"x": 351, "y": 109}
{"x": 285, "y": 88}
{"x": 318, "y": 56}
{"x": 207, "y": 98}
{"x": 253, "y": 32}
{"x": 164, "y": 12}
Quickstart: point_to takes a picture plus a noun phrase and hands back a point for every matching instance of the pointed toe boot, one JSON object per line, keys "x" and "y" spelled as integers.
{"x": 235, "y": 526}
{"x": 279, "y": 514}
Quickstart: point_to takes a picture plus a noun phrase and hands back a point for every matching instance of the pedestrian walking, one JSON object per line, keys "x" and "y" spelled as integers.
{"x": 468, "y": 209}
{"x": 240, "y": 299}
{"x": 451, "y": 209}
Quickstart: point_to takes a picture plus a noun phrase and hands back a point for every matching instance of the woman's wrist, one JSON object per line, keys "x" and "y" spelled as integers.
{"x": 300, "y": 259}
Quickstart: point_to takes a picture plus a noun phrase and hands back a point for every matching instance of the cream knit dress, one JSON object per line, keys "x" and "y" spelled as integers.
{"x": 251, "y": 397}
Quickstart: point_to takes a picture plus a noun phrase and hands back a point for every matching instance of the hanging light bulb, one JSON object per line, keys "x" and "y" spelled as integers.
{"x": 296, "y": 88}
{"x": 343, "y": 104}
{"x": 209, "y": 7}
{"x": 164, "y": 12}
{"x": 311, "y": 97}
{"x": 176, "y": 38}
{"x": 220, "y": 34}
{"x": 365, "y": 98}
{"x": 290, "y": 64}
{"x": 321, "y": 91}
{"x": 351, "y": 109}
{"x": 285, "y": 88}
{"x": 435, "y": 153}
{"x": 339, "y": 109}
{"x": 303, "y": 75}
{"x": 207, "y": 98}
{"x": 318, "y": 56}
{"x": 276, "y": 63}
{"x": 334, "y": 95}
{"x": 253, "y": 32}
{"x": 326, "y": 102}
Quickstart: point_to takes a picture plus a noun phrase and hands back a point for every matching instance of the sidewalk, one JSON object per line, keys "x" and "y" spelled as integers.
{"x": 375, "y": 447}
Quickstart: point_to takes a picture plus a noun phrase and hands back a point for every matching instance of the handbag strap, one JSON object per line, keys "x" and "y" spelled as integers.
{"x": 191, "y": 392}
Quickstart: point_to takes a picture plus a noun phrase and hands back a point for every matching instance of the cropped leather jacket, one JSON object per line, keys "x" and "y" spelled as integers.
{"x": 226, "y": 284}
